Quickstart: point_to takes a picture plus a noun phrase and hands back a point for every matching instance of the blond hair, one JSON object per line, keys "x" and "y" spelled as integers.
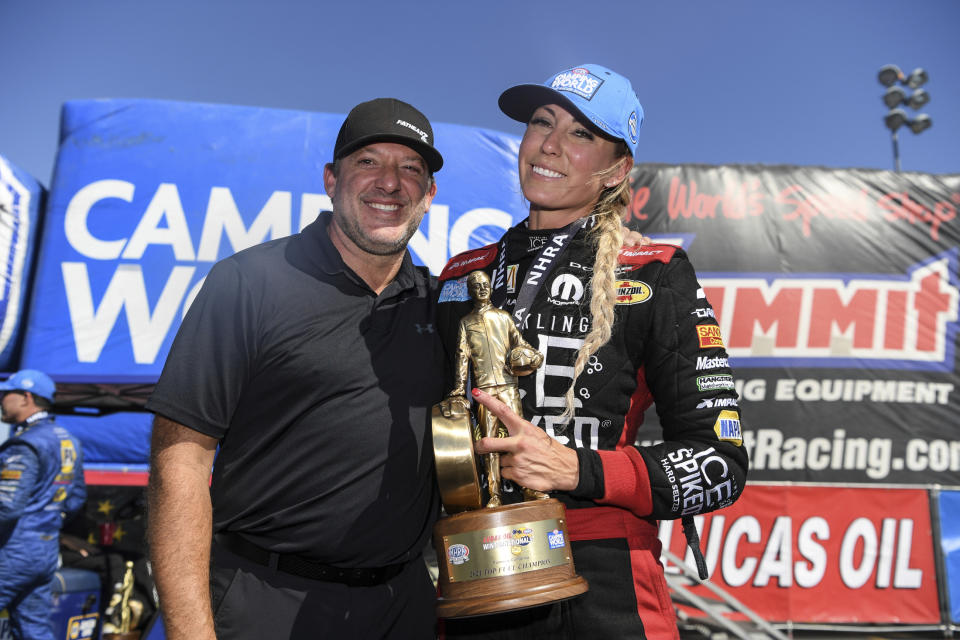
{"x": 606, "y": 236}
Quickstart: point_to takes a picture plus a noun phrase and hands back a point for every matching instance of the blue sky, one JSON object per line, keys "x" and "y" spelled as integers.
{"x": 739, "y": 81}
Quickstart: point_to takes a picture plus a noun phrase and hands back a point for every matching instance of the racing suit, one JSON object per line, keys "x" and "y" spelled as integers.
{"x": 665, "y": 348}
{"x": 41, "y": 483}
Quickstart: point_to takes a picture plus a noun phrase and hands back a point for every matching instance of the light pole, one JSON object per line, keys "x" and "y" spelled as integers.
{"x": 889, "y": 76}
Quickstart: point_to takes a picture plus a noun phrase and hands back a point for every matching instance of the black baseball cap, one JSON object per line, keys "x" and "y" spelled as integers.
{"x": 387, "y": 120}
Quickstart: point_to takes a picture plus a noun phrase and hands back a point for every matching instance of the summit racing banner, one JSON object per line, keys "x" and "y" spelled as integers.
{"x": 837, "y": 294}
{"x": 147, "y": 195}
{"x": 815, "y": 554}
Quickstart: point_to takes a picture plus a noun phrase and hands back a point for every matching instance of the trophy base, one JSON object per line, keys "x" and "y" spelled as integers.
{"x": 505, "y": 558}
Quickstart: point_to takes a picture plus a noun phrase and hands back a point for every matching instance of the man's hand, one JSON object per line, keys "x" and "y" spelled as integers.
{"x": 528, "y": 455}
{"x": 454, "y": 406}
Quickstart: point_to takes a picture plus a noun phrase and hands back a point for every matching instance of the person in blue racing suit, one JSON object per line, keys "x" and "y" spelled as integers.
{"x": 41, "y": 484}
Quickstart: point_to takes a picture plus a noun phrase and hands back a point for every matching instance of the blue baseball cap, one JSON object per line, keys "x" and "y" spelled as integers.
{"x": 36, "y": 382}
{"x": 603, "y": 97}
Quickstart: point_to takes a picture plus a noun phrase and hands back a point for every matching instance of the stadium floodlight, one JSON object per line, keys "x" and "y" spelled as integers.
{"x": 921, "y": 123}
{"x": 917, "y": 78}
{"x": 889, "y": 75}
{"x": 918, "y": 99}
{"x": 894, "y": 96}
{"x": 895, "y": 119}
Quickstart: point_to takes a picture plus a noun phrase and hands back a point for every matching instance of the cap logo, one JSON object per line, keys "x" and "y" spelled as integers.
{"x": 632, "y": 126}
{"x": 419, "y": 132}
{"x": 579, "y": 81}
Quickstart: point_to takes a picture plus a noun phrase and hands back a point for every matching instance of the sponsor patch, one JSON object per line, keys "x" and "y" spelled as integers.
{"x": 715, "y": 382}
{"x": 578, "y": 81}
{"x": 709, "y": 335}
{"x": 521, "y": 538}
{"x": 632, "y": 126}
{"x": 727, "y": 427}
{"x": 10, "y": 474}
{"x": 705, "y": 364}
{"x": 82, "y": 627}
{"x": 565, "y": 289}
{"x": 464, "y": 263}
{"x": 511, "y": 278}
{"x": 703, "y": 313}
{"x": 646, "y": 254}
{"x": 716, "y": 403}
{"x": 454, "y": 291}
{"x": 555, "y": 539}
{"x": 632, "y": 292}
{"x": 458, "y": 553}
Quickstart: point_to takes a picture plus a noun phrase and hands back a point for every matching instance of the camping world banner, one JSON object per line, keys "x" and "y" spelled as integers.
{"x": 147, "y": 195}
{"x": 837, "y": 293}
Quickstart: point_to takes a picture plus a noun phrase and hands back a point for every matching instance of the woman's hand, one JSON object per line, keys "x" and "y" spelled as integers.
{"x": 528, "y": 456}
{"x": 633, "y": 238}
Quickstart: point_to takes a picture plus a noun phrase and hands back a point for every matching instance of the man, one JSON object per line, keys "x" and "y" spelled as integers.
{"x": 41, "y": 484}
{"x": 487, "y": 339}
{"x": 312, "y": 362}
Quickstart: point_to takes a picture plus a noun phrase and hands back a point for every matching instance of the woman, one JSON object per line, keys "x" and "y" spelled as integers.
{"x": 619, "y": 329}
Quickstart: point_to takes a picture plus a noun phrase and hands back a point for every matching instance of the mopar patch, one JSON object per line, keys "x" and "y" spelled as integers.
{"x": 454, "y": 291}
{"x": 632, "y": 292}
{"x": 709, "y": 335}
{"x": 727, "y": 427}
{"x": 578, "y": 81}
{"x": 715, "y": 382}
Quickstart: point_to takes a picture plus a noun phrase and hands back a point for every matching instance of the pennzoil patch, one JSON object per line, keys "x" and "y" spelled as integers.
{"x": 632, "y": 292}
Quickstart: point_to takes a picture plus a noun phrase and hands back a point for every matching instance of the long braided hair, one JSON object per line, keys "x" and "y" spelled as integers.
{"x": 606, "y": 236}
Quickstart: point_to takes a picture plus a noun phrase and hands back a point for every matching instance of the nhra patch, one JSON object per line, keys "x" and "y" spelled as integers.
{"x": 709, "y": 335}
{"x": 521, "y": 538}
{"x": 458, "y": 553}
{"x": 454, "y": 291}
{"x": 632, "y": 292}
{"x": 727, "y": 427}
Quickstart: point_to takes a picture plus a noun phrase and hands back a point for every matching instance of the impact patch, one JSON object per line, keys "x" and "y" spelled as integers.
{"x": 709, "y": 335}
{"x": 632, "y": 292}
{"x": 727, "y": 427}
{"x": 639, "y": 256}
{"x": 463, "y": 263}
{"x": 454, "y": 291}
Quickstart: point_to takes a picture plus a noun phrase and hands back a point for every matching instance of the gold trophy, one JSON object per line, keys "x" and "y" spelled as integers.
{"x": 492, "y": 558}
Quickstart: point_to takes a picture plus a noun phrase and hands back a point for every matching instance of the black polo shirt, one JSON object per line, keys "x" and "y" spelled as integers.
{"x": 319, "y": 391}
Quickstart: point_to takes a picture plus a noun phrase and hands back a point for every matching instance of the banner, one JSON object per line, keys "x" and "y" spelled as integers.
{"x": 20, "y": 200}
{"x": 814, "y": 554}
{"x": 147, "y": 195}
{"x": 837, "y": 294}
{"x": 949, "y": 505}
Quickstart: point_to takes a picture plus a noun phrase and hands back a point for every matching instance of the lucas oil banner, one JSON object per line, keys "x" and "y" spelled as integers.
{"x": 837, "y": 294}
{"x": 20, "y": 202}
{"x": 147, "y": 195}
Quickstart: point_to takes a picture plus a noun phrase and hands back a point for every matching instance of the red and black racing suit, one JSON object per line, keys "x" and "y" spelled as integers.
{"x": 665, "y": 349}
